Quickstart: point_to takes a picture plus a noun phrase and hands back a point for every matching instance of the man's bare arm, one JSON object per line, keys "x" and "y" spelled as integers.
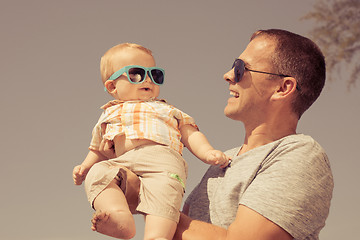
{"x": 248, "y": 225}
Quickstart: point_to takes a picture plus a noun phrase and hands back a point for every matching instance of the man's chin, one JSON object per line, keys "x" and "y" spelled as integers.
{"x": 231, "y": 114}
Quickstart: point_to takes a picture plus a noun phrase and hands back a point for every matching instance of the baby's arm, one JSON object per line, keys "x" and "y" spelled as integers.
{"x": 80, "y": 171}
{"x": 198, "y": 144}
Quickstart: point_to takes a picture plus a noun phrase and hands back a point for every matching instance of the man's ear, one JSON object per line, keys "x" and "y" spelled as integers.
{"x": 110, "y": 86}
{"x": 286, "y": 88}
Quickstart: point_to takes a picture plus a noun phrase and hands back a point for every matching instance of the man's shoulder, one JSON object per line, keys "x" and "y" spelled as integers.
{"x": 302, "y": 142}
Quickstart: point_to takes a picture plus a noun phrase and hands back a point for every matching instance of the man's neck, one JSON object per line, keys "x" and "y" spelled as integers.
{"x": 266, "y": 133}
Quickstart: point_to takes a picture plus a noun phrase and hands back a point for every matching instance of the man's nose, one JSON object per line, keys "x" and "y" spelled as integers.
{"x": 230, "y": 76}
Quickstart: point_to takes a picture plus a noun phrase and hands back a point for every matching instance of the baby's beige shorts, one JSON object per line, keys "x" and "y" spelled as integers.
{"x": 162, "y": 172}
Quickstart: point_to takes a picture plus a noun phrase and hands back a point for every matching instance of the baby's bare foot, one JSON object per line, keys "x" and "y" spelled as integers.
{"x": 113, "y": 223}
{"x": 99, "y": 217}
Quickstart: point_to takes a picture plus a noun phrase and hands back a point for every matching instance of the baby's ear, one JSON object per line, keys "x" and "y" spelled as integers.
{"x": 110, "y": 86}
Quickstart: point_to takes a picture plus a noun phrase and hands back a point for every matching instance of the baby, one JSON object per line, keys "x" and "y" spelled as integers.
{"x": 148, "y": 136}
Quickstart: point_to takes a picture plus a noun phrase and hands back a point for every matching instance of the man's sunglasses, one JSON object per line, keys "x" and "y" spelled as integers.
{"x": 239, "y": 69}
{"x": 137, "y": 74}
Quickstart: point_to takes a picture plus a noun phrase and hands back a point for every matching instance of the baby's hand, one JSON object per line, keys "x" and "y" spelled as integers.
{"x": 216, "y": 157}
{"x": 79, "y": 174}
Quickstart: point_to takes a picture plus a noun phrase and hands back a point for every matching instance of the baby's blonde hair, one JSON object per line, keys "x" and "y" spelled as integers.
{"x": 107, "y": 61}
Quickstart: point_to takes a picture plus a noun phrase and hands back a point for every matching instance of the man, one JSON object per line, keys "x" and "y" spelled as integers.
{"x": 279, "y": 184}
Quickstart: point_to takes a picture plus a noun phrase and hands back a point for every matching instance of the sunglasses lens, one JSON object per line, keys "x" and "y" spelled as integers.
{"x": 239, "y": 68}
{"x": 158, "y": 76}
{"x": 136, "y": 75}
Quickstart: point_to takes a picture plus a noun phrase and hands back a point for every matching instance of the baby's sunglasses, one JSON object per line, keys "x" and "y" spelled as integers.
{"x": 239, "y": 69}
{"x": 137, "y": 74}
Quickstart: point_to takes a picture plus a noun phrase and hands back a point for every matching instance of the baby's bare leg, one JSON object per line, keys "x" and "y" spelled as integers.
{"x": 112, "y": 216}
{"x": 159, "y": 228}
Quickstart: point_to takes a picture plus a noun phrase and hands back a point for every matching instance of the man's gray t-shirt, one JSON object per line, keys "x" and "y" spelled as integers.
{"x": 288, "y": 181}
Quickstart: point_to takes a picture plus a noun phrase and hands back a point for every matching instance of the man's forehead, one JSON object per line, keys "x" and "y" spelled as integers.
{"x": 258, "y": 50}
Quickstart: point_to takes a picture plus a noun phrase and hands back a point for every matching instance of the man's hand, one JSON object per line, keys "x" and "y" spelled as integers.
{"x": 106, "y": 148}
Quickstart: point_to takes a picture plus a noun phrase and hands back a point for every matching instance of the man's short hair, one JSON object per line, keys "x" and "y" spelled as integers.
{"x": 301, "y": 58}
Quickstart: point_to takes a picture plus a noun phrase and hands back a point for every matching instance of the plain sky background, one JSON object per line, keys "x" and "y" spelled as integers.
{"x": 51, "y": 93}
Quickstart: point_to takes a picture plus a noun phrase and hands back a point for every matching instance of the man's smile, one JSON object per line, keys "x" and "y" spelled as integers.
{"x": 234, "y": 94}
